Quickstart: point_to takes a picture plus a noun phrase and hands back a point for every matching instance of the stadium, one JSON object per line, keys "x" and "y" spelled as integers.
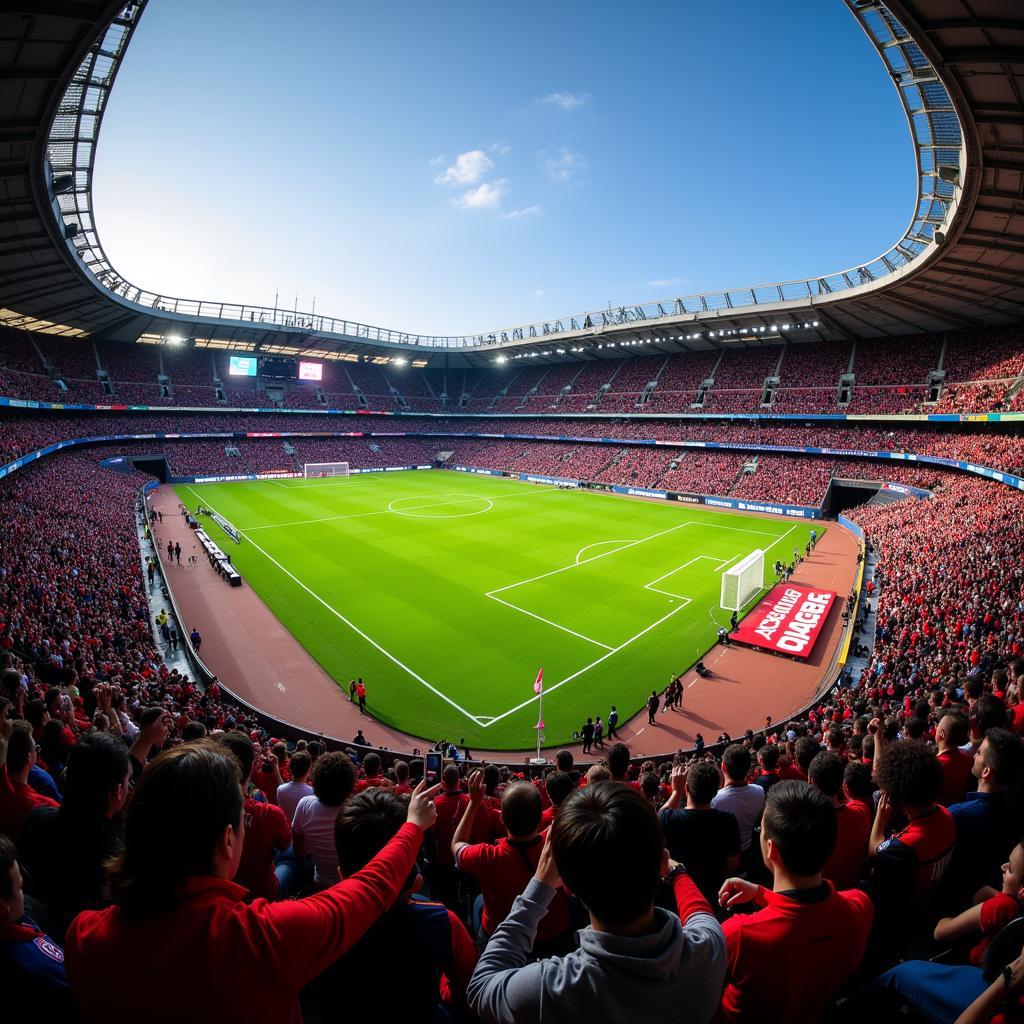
{"x": 756, "y": 552}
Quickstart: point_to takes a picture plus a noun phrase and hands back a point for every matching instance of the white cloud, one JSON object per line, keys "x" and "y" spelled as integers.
{"x": 437, "y": 161}
{"x": 566, "y": 101}
{"x": 526, "y": 211}
{"x": 666, "y": 282}
{"x": 485, "y": 196}
{"x": 469, "y": 167}
{"x": 500, "y": 148}
{"x": 563, "y": 166}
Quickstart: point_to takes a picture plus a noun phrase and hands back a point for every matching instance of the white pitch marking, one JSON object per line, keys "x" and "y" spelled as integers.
{"x": 586, "y": 668}
{"x": 459, "y": 500}
{"x": 540, "y": 618}
{"x": 351, "y": 625}
{"x": 598, "y": 544}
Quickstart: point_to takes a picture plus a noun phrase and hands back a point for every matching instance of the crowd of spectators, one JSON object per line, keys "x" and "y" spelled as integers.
{"x": 866, "y": 836}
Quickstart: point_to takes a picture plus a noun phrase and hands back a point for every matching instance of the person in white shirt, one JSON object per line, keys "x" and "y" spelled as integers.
{"x": 745, "y": 802}
{"x": 334, "y": 779}
{"x": 290, "y": 793}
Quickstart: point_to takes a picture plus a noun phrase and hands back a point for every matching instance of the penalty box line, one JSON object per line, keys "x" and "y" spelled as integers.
{"x": 351, "y": 625}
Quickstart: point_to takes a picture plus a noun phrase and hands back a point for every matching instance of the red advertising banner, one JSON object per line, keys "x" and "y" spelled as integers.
{"x": 787, "y": 620}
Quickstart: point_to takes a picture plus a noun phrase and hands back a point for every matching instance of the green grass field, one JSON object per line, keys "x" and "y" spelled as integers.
{"x": 447, "y": 592}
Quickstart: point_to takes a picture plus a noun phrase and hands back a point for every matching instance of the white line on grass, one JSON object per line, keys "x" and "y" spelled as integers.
{"x": 599, "y": 544}
{"x": 351, "y": 625}
{"x": 586, "y": 668}
{"x": 540, "y": 618}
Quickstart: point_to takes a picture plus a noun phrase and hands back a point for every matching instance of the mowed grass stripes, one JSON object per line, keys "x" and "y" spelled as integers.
{"x": 447, "y": 592}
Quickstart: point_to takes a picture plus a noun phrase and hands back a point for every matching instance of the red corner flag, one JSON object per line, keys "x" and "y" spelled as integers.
{"x": 538, "y": 683}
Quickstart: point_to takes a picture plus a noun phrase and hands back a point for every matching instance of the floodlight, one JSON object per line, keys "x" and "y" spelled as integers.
{"x": 174, "y": 339}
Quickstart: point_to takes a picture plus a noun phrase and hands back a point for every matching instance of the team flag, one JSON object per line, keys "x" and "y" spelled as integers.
{"x": 540, "y": 724}
{"x": 538, "y": 683}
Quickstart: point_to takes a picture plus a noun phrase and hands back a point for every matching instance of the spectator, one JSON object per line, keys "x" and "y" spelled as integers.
{"x": 635, "y": 960}
{"x": 363, "y": 981}
{"x": 950, "y": 735}
{"x": 558, "y": 786}
{"x": 844, "y": 867}
{"x": 706, "y": 840}
{"x": 87, "y": 822}
{"x": 742, "y": 800}
{"x": 172, "y": 891}
{"x": 504, "y": 869}
{"x": 451, "y": 805}
{"x": 267, "y": 834}
{"x": 617, "y": 760}
{"x": 31, "y": 963}
{"x": 909, "y": 862}
{"x": 787, "y": 960}
{"x": 290, "y": 793}
{"x": 768, "y": 761}
{"x": 333, "y": 778}
{"x": 17, "y": 797}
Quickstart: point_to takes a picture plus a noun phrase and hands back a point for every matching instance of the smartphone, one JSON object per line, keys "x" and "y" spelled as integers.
{"x": 433, "y": 765}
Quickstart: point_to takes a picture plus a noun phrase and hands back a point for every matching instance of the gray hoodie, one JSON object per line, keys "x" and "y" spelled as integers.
{"x": 673, "y": 973}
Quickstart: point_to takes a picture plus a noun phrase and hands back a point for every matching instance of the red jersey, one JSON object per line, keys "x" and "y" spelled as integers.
{"x": 785, "y": 962}
{"x": 913, "y": 860}
{"x": 266, "y": 831}
{"x": 503, "y": 872}
{"x": 956, "y": 773}
{"x": 241, "y": 961}
{"x": 996, "y": 912}
{"x": 843, "y": 868}
{"x": 16, "y": 800}
{"x": 450, "y": 805}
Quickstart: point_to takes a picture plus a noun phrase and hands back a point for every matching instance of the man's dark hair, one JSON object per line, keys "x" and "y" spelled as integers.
{"x": 915, "y": 728}
{"x": 181, "y": 805}
{"x": 857, "y": 778}
{"x": 608, "y": 848}
{"x": 300, "y": 763}
{"x": 826, "y": 773}
{"x": 521, "y": 808}
{"x": 805, "y": 750}
{"x": 836, "y": 739}
{"x": 34, "y": 712}
{"x": 97, "y": 763}
{"x": 736, "y": 762}
{"x": 909, "y": 772}
{"x": 451, "y": 777}
{"x": 365, "y": 825}
{"x": 650, "y": 785}
{"x": 801, "y": 822}
{"x": 990, "y": 713}
{"x": 19, "y": 746}
{"x": 150, "y": 715}
{"x": 333, "y": 778}
{"x": 1003, "y": 755}
{"x": 559, "y": 785}
{"x": 768, "y": 755}
{"x": 563, "y": 760}
{"x": 193, "y": 731}
{"x": 491, "y": 776}
{"x": 371, "y": 764}
{"x": 617, "y": 760}
{"x": 702, "y": 782}
{"x": 956, "y": 727}
{"x": 241, "y": 746}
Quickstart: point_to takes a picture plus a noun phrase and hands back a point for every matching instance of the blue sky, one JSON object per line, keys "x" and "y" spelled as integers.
{"x": 460, "y": 167}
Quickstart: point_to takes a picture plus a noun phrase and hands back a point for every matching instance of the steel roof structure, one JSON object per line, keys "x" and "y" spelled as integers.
{"x": 958, "y": 68}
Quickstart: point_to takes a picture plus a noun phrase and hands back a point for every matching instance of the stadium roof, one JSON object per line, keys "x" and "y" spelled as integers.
{"x": 958, "y": 68}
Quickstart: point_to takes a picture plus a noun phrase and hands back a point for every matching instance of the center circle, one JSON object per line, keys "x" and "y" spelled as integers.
{"x": 441, "y": 506}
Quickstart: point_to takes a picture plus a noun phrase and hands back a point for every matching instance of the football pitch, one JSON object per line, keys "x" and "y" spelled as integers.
{"x": 447, "y": 592}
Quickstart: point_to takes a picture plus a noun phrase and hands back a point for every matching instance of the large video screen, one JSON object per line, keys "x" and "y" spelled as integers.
{"x": 311, "y": 371}
{"x": 242, "y": 366}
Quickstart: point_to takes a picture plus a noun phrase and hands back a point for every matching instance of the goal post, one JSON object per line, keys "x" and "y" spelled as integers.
{"x": 324, "y": 469}
{"x": 743, "y": 581}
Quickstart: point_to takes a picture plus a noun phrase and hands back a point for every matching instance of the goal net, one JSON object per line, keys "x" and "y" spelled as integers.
{"x": 324, "y": 469}
{"x": 743, "y": 581}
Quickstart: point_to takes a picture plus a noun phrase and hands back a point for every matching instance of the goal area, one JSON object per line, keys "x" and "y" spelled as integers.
{"x": 316, "y": 470}
{"x": 743, "y": 581}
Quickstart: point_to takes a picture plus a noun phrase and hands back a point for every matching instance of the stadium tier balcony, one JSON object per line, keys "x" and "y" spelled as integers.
{"x": 747, "y": 367}
{"x": 819, "y": 400}
{"x": 783, "y": 478}
{"x": 685, "y": 372}
{"x": 816, "y": 365}
{"x": 897, "y": 399}
{"x": 997, "y": 355}
{"x": 896, "y": 360}
{"x": 719, "y": 400}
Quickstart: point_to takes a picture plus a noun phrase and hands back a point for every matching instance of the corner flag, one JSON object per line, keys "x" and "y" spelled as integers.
{"x": 538, "y": 683}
